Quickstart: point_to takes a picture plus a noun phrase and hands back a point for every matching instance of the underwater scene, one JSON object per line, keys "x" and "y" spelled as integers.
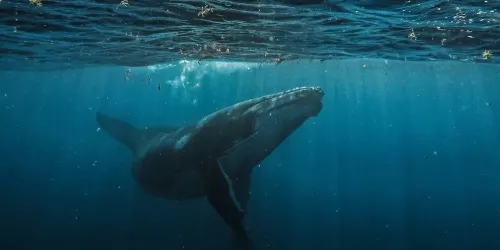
{"x": 249, "y": 124}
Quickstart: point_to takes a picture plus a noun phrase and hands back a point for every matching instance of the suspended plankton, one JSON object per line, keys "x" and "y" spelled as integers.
{"x": 412, "y": 35}
{"x": 36, "y": 2}
{"x": 205, "y": 10}
{"x": 487, "y": 54}
{"x": 123, "y": 3}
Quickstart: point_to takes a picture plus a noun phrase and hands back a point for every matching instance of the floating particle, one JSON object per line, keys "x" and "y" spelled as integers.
{"x": 123, "y": 3}
{"x": 487, "y": 55}
{"x": 205, "y": 10}
{"x": 36, "y": 2}
{"x": 412, "y": 35}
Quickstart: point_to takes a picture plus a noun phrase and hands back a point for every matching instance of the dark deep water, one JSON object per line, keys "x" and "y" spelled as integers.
{"x": 404, "y": 155}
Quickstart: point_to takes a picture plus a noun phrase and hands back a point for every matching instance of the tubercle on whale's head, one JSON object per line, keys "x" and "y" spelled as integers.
{"x": 306, "y": 100}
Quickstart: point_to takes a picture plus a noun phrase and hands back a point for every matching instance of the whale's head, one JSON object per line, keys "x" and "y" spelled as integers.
{"x": 282, "y": 112}
{"x": 261, "y": 123}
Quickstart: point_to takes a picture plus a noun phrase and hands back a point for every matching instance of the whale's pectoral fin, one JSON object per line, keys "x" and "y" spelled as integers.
{"x": 240, "y": 174}
{"x": 222, "y": 196}
{"x": 241, "y": 185}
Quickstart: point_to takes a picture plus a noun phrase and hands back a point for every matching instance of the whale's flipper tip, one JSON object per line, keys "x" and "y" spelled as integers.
{"x": 242, "y": 242}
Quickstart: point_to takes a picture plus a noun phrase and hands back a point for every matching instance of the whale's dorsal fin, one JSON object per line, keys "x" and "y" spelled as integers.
{"x": 126, "y": 133}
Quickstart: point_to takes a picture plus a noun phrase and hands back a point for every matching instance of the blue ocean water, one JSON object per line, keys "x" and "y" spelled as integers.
{"x": 403, "y": 155}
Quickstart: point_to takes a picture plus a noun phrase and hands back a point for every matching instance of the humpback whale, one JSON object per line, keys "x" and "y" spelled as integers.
{"x": 214, "y": 157}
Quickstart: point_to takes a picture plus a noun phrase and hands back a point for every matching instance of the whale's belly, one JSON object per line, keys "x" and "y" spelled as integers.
{"x": 188, "y": 184}
{"x": 173, "y": 183}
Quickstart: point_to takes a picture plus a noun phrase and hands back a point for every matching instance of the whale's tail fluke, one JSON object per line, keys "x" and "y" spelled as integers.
{"x": 122, "y": 131}
{"x": 129, "y": 135}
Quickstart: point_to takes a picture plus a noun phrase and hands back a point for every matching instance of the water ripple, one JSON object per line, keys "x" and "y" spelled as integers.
{"x": 103, "y": 32}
